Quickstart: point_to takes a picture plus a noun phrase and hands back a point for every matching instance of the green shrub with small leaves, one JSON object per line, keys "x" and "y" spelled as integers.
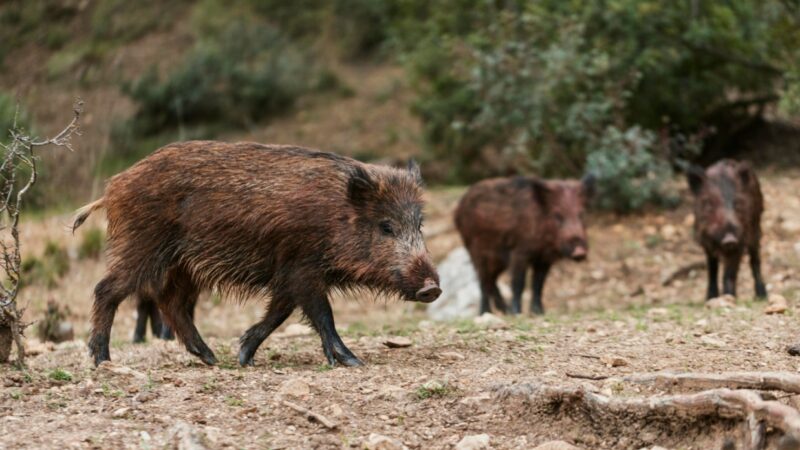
{"x": 631, "y": 172}
{"x": 49, "y": 268}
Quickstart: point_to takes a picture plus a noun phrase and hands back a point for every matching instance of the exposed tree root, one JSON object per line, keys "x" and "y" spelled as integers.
{"x": 762, "y": 381}
{"x": 747, "y": 405}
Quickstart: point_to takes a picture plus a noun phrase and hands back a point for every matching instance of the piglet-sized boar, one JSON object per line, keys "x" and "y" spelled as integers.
{"x": 522, "y": 222}
{"x": 250, "y": 220}
{"x": 727, "y": 221}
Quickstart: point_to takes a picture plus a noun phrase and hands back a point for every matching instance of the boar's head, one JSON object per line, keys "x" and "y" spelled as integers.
{"x": 389, "y": 252}
{"x": 563, "y": 204}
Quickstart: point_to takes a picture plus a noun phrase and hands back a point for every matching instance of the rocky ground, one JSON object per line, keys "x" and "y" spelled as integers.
{"x": 609, "y": 317}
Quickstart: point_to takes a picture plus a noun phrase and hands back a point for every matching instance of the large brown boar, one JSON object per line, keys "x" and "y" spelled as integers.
{"x": 250, "y": 219}
{"x": 522, "y": 222}
{"x": 727, "y": 221}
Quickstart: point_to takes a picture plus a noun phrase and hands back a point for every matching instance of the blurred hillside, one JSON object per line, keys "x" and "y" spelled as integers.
{"x": 627, "y": 89}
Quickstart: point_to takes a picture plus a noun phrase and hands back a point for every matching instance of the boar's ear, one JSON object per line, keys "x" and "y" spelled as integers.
{"x": 541, "y": 191}
{"x": 696, "y": 176}
{"x": 588, "y": 183}
{"x": 413, "y": 168}
{"x": 360, "y": 186}
{"x": 745, "y": 172}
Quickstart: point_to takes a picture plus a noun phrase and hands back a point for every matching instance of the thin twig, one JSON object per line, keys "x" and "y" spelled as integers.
{"x": 587, "y": 377}
{"x": 311, "y": 415}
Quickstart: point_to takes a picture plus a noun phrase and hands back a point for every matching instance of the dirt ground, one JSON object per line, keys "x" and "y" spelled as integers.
{"x": 444, "y": 385}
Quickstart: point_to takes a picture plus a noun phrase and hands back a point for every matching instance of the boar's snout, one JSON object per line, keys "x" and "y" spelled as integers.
{"x": 579, "y": 253}
{"x": 429, "y": 292}
{"x": 730, "y": 241}
{"x": 576, "y": 249}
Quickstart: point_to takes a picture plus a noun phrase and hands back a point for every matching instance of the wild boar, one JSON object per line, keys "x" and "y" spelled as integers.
{"x": 727, "y": 221}
{"x": 250, "y": 220}
{"x": 522, "y": 222}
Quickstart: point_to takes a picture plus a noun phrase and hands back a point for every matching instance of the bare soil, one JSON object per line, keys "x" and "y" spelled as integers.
{"x": 441, "y": 388}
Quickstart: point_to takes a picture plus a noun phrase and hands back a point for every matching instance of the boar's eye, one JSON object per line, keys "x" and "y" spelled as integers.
{"x": 559, "y": 219}
{"x": 386, "y": 228}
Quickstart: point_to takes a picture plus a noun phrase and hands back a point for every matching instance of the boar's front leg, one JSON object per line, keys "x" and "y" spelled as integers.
{"x": 755, "y": 267}
{"x": 280, "y": 308}
{"x": 712, "y": 263}
{"x": 540, "y": 271}
{"x": 519, "y": 270}
{"x": 317, "y": 309}
{"x": 731, "y": 273}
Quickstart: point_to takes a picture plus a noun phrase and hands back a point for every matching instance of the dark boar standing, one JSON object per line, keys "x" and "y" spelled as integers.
{"x": 251, "y": 219}
{"x": 147, "y": 310}
{"x": 519, "y": 223}
{"x": 727, "y": 221}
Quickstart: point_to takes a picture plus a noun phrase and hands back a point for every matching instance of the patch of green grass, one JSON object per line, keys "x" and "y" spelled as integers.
{"x": 111, "y": 391}
{"x": 323, "y": 368}
{"x": 233, "y": 401}
{"x": 434, "y": 389}
{"x": 210, "y": 386}
{"x": 16, "y": 395}
{"x": 466, "y": 326}
{"x": 357, "y": 329}
{"x": 59, "y": 375}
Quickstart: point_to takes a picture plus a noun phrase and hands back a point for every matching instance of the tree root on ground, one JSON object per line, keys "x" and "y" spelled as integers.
{"x": 746, "y": 405}
{"x": 762, "y": 381}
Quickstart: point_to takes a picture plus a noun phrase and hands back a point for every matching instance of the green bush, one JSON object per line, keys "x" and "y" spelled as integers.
{"x": 630, "y": 171}
{"x": 245, "y": 74}
{"x": 517, "y": 87}
{"x": 93, "y": 243}
{"x": 48, "y": 269}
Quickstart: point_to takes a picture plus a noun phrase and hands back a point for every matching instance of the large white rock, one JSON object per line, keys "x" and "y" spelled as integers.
{"x": 461, "y": 293}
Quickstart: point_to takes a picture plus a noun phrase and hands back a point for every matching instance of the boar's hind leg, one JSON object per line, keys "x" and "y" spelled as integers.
{"x": 712, "y": 263}
{"x": 755, "y": 267}
{"x": 318, "y": 311}
{"x": 540, "y": 271}
{"x": 280, "y": 308}
{"x": 108, "y": 294}
{"x": 165, "y": 332}
{"x": 143, "y": 311}
{"x": 177, "y": 304}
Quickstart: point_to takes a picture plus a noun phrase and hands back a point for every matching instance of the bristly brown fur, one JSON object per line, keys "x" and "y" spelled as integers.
{"x": 250, "y": 220}
{"x": 521, "y": 223}
{"x": 728, "y": 203}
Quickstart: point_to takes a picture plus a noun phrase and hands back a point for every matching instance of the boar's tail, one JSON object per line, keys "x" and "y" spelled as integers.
{"x": 84, "y": 212}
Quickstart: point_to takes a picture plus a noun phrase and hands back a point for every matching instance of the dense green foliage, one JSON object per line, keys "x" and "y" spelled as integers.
{"x": 548, "y": 86}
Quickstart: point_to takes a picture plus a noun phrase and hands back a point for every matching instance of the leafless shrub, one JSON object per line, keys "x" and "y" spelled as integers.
{"x": 18, "y": 172}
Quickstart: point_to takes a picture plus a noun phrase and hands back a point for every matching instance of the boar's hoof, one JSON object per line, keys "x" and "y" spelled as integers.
{"x": 246, "y": 358}
{"x": 167, "y": 334}
{"x": 205, "y": 355}
{"x": 794, "y": 350}
{"x": 350, "y": 361}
